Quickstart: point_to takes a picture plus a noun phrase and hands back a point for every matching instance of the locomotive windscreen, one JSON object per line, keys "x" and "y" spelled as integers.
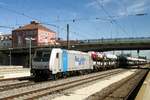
{"x": 42, "y": 55}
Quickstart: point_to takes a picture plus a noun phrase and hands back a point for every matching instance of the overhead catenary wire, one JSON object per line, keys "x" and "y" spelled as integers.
{"x": 73, "y": 32}
{"x": 27, "y": 16}
{"x": 19, "y": 13}
{"x": 83, "y": 19}
{"x": 110, "y": 17}
{"x": 32, "y": 18}
{"x": 9, "y": 27}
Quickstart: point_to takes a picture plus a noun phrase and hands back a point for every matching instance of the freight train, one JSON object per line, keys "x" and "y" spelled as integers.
{"x": 56, "y": 62}
{"x": 130, "y": 61}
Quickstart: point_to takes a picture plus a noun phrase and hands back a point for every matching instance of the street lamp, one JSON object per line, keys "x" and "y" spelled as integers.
{"x": 30, "y": 44}
{"x": 10, "y": 55}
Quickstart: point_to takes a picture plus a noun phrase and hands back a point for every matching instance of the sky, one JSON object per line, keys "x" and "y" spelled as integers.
{"x": 92, "y": 17}
{"x": 87, "y": 19}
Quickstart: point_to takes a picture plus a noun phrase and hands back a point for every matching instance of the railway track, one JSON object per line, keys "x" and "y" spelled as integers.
{"x": 37, "y": 93}
{"x": 11, "y": 83}
{"x": 16, "y": 79}
{"x": 122, "y": 90}
{"x": 15, "y": 85}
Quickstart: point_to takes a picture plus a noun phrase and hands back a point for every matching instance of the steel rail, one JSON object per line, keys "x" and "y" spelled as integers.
{"x": 33, "y": 94}
{"x": 15, "y": 86}
{"x": 120, "y": 85}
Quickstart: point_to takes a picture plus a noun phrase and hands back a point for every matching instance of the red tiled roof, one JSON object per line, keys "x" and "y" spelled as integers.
{"x": 33, "y": 25}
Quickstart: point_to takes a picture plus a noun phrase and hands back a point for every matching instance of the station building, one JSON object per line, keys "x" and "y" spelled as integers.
{"x": 41, "y": 35}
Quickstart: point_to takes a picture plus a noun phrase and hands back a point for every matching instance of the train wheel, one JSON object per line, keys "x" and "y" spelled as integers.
{"x": 65, "y": 75}
{"x": 55, "y": 76}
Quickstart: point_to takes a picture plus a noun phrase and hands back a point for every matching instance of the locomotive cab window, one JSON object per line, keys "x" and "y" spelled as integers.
{"x": 42, "y": 55}
{"x": 57, "y": 55}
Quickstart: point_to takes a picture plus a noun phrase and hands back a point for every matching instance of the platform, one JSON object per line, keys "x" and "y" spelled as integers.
{"x": 83, "y": 93}
{"x": 13, "y": 72}
{"x": 144, "y": 92}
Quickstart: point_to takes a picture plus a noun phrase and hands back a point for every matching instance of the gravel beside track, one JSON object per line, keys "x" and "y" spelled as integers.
{"x": 15, "y": 85}
{"x": 120, "y": 90}
{"x": 71, "y": 90}
{"x": 10, "y": 81}
{"x": 45, "y": 88}
{"x": 7, "y": 82}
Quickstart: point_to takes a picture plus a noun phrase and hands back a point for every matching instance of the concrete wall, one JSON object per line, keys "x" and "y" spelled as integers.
{"x": 4, "y": 59}
{"x": 21, "y": 59}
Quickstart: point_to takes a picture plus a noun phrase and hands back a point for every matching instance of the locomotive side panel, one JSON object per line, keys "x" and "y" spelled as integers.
{"x": 78, "y": 61}
{"x": 68, "y": 60}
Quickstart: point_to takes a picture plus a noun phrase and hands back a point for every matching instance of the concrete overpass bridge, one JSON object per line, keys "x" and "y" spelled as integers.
{"x": 113, "y": 44}
{"x": 142, "y": 43}
{"x": 110, "y": 47}
{"x": 20, "y": 56}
